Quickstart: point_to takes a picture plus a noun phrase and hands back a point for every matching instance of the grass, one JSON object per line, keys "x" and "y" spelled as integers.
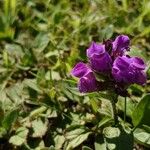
{"x": 40, "y": 42}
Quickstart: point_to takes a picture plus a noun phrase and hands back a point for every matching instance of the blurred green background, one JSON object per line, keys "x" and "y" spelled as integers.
{"x": 40, "y": 42}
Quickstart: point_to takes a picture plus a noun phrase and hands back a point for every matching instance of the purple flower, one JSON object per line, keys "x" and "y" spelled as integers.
{"x": 80, "y": 70}
{"x": 129, "y": 70}
{"x": 109, "y": 59}
{"x": 87, "y": 81}
{"x": 120, "y": 45}
{"x": 100, "y": 60}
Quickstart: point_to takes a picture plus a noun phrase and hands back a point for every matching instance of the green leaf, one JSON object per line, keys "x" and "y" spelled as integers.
{"x": 100, "y": 143}
{"x": 141, "y": 112}
{"x": 32, "y": 84}
{"x": 108, "y": 32}
{"x": 118, "y": 139}
{"x": 15, "y": 93}
{"x": 51, "y": 148}
{"x": 59, "y": 140}
{"x": 142, "y": 137}
{"x": 10, "y": 118}
{"x": 41, "y": 41}
{"x": 39, "y": 127}
{"x": 104, "y": 121}
{"x": 37, "y": 111}
{"x": 94, "y": 104}
{"x": 130, "y": 105}
{"x": 51, "y": 113}
{"x": 20, "y": 137}
{"x": 14, "y": 50}
{"x": 77, "y": 140}
{"x": 76, "y": 136}
{"x": 2, "y": 132}
{"x": 74, "y": 133}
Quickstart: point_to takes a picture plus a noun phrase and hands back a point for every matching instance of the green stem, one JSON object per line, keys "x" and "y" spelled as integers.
{"x": 115, "y": 116}
{"x": 125, "y": 108}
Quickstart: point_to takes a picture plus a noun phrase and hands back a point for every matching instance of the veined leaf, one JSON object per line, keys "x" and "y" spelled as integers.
{"x": 141, "y": 112}
{"x": 77, "y": 141}
{"x": 39, "y": 127}
{"x": 20, "y": 137}
{"x": 32, "y": 84}
{"x": 142, "y": 137}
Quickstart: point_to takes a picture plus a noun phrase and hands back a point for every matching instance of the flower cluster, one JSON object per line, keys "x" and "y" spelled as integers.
{"x": 109, "y": 58}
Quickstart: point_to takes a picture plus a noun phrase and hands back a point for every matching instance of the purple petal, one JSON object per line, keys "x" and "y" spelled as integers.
{"x": 141, "y": 78}
{"x": 87, "y": 83}
{"x": 101, "y": 63}
{"x": 138, "y": 63}
{"x": 129, "y": 70}
{"x": 121, "y": 44}
{"x": 121, "y": 62}
{"x": 80, "y": 70}
{"x": 95, "y": 49}
{"x": 120, "y": 76}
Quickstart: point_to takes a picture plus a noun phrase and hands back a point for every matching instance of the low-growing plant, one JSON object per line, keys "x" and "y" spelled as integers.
{"x": 41, "y": 107}
{"x": 112, "y": 70}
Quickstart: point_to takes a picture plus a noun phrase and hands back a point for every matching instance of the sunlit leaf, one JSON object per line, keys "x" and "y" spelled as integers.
{"x": 20, "y": 136}
{"x": 142, "y": 137}
{"x": 39, "y": 127}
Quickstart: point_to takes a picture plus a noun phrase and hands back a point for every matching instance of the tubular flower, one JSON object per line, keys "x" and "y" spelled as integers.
{"x": 120, "y": 45}
{"x": 100, "y": 60}
{"x": 80, "y": 70}
{"x": 129, "y": 70}
{"x": 87, "y": 80}
{"x": 109, "y": 67}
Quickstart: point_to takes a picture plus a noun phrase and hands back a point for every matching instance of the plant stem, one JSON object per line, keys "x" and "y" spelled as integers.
{"x": 125, "y": 108}
{"x": 115, "y": 116}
